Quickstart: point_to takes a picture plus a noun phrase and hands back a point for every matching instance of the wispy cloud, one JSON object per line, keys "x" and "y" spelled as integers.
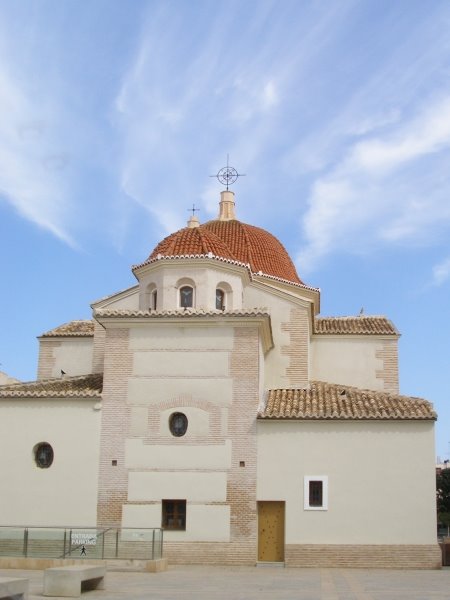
{"x": 30, "y": 160}
{"x": 186, "y": 103}
{"x": 441, "y": 272}
{"x": 390, "y": 186}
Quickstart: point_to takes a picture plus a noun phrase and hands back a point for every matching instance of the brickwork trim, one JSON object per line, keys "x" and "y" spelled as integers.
{"x": 210, "y": 553}
{"x": 47, "y": 358}
{"x": 388, "y": 354}
{"x": 297, "y": 350}
{"x": 363, "y": 556}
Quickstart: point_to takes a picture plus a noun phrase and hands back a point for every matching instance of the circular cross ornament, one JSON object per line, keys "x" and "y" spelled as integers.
{"x": 227, "y": 175}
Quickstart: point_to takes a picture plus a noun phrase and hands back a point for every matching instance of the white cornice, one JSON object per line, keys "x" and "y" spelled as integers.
{"x": 203, "y": 261}
{"x": 237, "y": 318}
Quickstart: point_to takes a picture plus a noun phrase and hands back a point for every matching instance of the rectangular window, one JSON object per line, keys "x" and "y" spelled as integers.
{"x": 315, "y": 492}
{"x": 174, "y": 515}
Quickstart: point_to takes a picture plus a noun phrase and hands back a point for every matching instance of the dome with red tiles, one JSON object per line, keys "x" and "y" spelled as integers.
{"x": 255, "y": 246}
{"x": 230, "y": 239}
{"x": 192, "y": 241}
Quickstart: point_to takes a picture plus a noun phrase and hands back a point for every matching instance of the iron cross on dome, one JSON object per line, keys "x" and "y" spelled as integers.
{"x": 228, "y": 175}
{"x": 193, "y": 210}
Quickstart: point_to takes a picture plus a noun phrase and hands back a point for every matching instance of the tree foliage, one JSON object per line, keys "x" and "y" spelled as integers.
{"x": 443, "y": 496}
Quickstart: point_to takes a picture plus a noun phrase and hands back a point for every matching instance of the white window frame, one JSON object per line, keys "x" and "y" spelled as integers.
{"x": 306, "y": 481}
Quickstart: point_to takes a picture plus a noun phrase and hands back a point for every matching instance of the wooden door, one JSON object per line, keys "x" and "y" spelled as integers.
{"x": 271, "y": 531}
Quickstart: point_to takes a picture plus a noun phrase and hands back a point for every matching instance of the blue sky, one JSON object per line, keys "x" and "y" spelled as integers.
{"x": 114, "y": 114}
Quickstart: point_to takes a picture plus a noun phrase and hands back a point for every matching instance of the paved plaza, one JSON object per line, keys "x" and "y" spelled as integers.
{"x": 247, "y": 583}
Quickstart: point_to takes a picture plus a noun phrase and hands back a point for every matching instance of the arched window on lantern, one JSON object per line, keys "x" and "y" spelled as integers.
{"x": 154, "y": 299}
{"x": 186, "y": 296}
{"x": 220, "y": 299}
{"x": 224, "y": 296}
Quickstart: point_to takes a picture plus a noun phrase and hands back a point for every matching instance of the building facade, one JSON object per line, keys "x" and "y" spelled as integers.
{"x": 212, "y": 399}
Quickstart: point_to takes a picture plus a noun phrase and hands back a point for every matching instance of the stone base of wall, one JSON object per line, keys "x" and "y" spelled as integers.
{"x": 309, "y": 555}
{"x": 210, "y": 553}
{"x": 364, "y": 556}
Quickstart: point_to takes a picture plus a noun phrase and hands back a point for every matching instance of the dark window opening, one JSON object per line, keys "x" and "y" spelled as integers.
{"x": 178, "y": 424}
{"x": 186, "y": 297}
{"x": 316, "y": 493}
{"x": 174, "y": 514}
{"x": 43, "y": 455}
{"x": 220, "y": 299}
{"x": 153, "y": 300}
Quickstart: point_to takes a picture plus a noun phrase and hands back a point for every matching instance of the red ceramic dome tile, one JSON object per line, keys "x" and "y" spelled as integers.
{"x": 235, "y": 241}
{"x": 192, "y": 241}
{"x": 255, "y": 246}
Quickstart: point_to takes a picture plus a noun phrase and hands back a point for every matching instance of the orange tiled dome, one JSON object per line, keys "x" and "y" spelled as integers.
{"x": 188, "y": 241}
{"x": 232, "y": 240}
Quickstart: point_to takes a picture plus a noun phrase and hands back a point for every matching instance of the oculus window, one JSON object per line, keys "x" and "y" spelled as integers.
{"x": 315, "y": 492}
{"x": 43, "y": 455}
{"x": 178, "y": 424}
{"x": 174, "y": 515}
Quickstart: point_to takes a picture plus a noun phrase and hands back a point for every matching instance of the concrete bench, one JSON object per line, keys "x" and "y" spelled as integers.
{"x": 70, "y": 581}
{"x": 14, "y": 587}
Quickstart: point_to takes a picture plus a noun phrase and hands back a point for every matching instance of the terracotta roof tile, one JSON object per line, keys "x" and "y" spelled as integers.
{"x": 78, "y": 328}
{"x": 257, "y": 247}
{"x": 81, "y": 386}
{"x": 333, "y": 401}
{"x": 361, "y": 325}
{"x": 233, "y": 241}
{"x": 194, "y": 240}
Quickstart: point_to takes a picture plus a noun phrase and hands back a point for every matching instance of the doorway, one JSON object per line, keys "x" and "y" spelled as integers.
{"x": 271, "y": 531}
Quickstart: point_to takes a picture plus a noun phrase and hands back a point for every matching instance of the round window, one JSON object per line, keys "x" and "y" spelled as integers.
{"x": 178, "y": 424}
{"x": 43, "y": 455}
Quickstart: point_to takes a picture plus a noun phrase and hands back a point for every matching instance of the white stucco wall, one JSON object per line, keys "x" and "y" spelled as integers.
{"x": 195, "y": 486}
{"x": 204, "y": 523}
{"x": 65, "y": 493}
{"x": 73, "y": 356}
{"x": 152, "y": 456}
{"x": 347, "y": 360}
{"x": 170, "y": 361}
{"x": 381, "y": 480}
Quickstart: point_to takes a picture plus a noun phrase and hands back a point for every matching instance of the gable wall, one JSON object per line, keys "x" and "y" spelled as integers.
{"x": 70, "y": 354}
{"x": 366, "y": 362}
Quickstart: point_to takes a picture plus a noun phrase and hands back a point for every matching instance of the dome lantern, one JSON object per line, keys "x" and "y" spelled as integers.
{"x": 226, "y": 206}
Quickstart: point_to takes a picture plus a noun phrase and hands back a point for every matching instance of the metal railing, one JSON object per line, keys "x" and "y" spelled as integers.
{"x": 77, "y": 542}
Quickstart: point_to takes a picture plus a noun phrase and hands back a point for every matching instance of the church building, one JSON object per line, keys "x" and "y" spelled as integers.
{"x": 211, "y": 399}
